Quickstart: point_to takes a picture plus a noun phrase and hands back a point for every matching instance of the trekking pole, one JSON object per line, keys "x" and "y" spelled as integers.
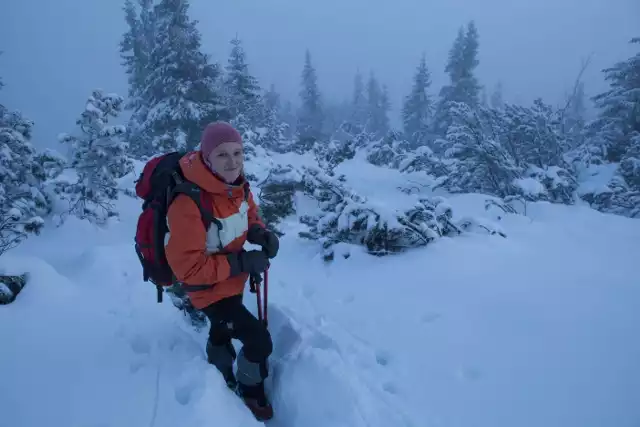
{"x": 255, "y": 287}
{"x": 266, "y": 295}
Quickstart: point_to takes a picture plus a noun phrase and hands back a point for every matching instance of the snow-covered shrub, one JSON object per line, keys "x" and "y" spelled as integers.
{"x": 99, "y": 157}
{"x": 475, "y": 157}
{"x": 276, "y": 195}
{"x": 10, "y": 287}
{"x": 52, "y": 163}
{"x": 616, "y": 198}
{"x": 423, "y": 160}
{"x": 22, "y": 201}
{"x": 556, "y": 184}
{"x": 330, "y": 154}
{"x": 347, "y": 217}
{"x": 389, "y": 151}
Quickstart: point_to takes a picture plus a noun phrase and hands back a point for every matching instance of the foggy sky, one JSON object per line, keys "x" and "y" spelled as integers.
{"x": 56, "y": 52}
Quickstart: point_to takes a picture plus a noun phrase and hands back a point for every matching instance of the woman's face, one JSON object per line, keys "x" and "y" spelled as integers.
{"x": 227, "y": 160}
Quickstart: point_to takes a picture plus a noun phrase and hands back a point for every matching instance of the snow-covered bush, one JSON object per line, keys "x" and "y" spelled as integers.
{"x": 330, "y": 154}
{"x": 389, "y": 151}
{"x": 276, "y": 195}
{"x": 347, "y": 217}
{"x": 11, "y": 286}
{"x": 617, "y": 197}
{"x": 476, "y": 159}
{"x": 423, "y": 160}
{"x": 22, "y": 201}
{"x": 99, "y": 157}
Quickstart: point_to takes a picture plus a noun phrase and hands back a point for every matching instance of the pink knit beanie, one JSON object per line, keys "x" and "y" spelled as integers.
{"x": 215, "y": 134}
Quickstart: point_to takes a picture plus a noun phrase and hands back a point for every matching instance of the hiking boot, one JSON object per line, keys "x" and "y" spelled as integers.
{"x": 256, "y": 400}
{"x": 251, "y": 377}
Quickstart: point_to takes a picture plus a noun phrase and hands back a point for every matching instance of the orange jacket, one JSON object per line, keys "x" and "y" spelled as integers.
{"x": 192, "y": 251}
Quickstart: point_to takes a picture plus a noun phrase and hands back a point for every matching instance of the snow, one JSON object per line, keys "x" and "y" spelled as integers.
{"x": 530, "y": 186}
{"x": 537, "y": 329}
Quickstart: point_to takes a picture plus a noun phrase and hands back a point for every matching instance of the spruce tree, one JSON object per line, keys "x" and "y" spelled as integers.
{"x": 99, "y": 157}
{"x": 614, "y": 136}
{"x": 311, "y": 114}
{"x": 377, "y": 107}
{"x": 617, "y": 127}
{"x": 418, "y": 106}
{"x": 272, "y": 100}
{"x": 275, "y": 135}
{"x": 358, "y": 118}
{"x": 23, "y": 202}
{"x": 241, "y": 90}
{"x": 180, "y": 87}
{"x": 497, "y": 100}
{"x": 463, "y": 85}
{"x": 135, "y": 50}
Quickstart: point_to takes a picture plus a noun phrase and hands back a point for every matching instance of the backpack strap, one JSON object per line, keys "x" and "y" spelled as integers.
{"x": 202, "y": 199}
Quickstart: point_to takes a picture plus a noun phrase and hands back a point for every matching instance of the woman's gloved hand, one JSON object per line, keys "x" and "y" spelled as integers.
{"x": 270, "y": 243}
{"x": 252, "y": 262}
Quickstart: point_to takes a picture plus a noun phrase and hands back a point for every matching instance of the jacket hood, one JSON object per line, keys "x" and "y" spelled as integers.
{"x": 196, "y": 171}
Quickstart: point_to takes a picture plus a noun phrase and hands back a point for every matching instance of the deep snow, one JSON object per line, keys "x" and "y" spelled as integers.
{"x": 537, "y": 329}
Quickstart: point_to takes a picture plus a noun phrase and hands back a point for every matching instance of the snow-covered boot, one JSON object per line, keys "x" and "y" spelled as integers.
{"x": 222, "y": 357}
{"x": 251, "y": 377}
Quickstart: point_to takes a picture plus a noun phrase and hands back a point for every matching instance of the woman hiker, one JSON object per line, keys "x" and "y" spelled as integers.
{"x": 216, "y": 257}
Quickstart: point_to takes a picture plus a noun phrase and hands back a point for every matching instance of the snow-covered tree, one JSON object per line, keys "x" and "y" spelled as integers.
{"x": 311, "y": 112}
{"x": 463, "y": 85}
{"x": 477, "y": 160}
{"x": 272, "y": 100}
{"x": 418, "y": 106}
{"x": 389, "y": 151}
{"x": 378, "y": 107}
{"x": 358, "y": 116}
{"x": 99, "y": 157}
{"x": 181, "y": 85}
{"x": 497, "y": 97}
{"x": 242, "y": 92}
{"x": 23, "y": 204}
{"x": 618, "y": 123}
{"x": 534, "y": 134}
{"x": 136, "y": 46}
{"x": 614, "y": 136}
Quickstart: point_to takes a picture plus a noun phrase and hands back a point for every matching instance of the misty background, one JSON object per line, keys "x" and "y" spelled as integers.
{"x": 55, "y": 53}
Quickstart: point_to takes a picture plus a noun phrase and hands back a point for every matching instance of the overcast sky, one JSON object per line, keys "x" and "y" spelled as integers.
{"x": 56, "y": 52}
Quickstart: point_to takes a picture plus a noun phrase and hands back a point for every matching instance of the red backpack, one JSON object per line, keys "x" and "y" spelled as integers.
{"x": 159, "y": 183}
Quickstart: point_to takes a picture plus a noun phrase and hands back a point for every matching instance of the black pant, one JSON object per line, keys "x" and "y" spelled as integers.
{"x": 231, "y": 319}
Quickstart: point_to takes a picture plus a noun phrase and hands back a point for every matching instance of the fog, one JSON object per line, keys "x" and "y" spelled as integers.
{"x": 56, "y": 52}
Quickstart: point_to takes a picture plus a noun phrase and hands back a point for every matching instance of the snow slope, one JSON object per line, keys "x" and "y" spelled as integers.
{"x": 537, "y": 329}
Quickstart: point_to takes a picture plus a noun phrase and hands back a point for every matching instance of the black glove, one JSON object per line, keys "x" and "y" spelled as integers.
{"x": 265, "y": 238}
{"x": 252, "y": 262}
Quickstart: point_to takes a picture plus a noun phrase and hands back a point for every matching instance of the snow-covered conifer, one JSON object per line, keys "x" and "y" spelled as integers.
{"x": 99, "y": 157}
{"x": 23, "y": 204}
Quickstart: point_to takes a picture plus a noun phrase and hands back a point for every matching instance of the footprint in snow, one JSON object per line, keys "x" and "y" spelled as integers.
{"x": 390, "y": 388}
{"x": 188, "y": 389}
{"x": 322, "y": 341}
{"x": 140, "y": 345}
{"x": 136, "y": 366}
{"x": 382, "y": 357}
{"x": 430, "y": 317}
